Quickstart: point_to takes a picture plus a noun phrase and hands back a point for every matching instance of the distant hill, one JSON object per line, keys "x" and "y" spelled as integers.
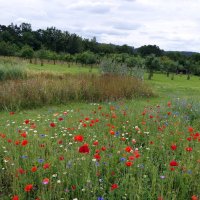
{"x": 185, "y": 53}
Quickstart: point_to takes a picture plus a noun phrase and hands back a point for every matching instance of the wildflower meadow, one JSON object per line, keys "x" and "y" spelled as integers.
{"x": 101, "y": 152}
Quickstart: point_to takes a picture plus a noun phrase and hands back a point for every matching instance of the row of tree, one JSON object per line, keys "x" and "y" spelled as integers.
{"x": 55, "y": 40}
{"x": 54, "y": 44}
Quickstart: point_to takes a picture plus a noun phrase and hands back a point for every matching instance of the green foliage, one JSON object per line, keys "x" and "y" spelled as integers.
{"x": 8, "y": 49}
{"x": 152, "y": 63}
{"x": 86, "y": 58}
{"x": 27, "y": 52}
{"x": 108, "y": 66}
{"x": 147, "y": 50}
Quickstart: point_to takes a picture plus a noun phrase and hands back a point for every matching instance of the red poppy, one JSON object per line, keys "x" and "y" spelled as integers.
{"x": 78, "y": 138}
{"x": 128, "y": 149}
{"x": 128, "y": 164}
{"x": 52, "y": 124}
{"x": 15, "y": 197}
{"x": 194, "y": 197}
{"x": 24, "y": 142}
{"x": 28, "y": 188}
{"x": 97, "y": 156}
{"x": 73, "y": 187}
{"x": 46, "y": 165}
{"x": 24, "y": 134}
{"x": 103, "y": 148}
{"x": 95, "y": 143}
{"x": 190, "y": 129}
{"x": 131, "y": 158}
{"x": 9, "y": 140}
{"x": 114, "y": 186}
{"x": 188, "y": 149}
{"x": 21, "y": 171}
{"x": 173, "y": 147}
{"x": 60, "y": 119}
{"x": 17, "y": 142}
{"x": 173, "y": 163}
{"x": 60, "y": 141}
{"x": 112, "y": 132}
{"x": 61, "y": 158}
{"x": 27, "y": 121}
{"x": 84, "y": 149}
{"x": 34, "y": 169}
{"x": 169, "y": 104}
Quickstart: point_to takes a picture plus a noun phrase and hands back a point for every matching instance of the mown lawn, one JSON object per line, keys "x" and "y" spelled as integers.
{"x": 180, "y": 87}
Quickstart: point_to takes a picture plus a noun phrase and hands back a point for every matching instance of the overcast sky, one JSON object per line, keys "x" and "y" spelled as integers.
{"x": 170, "y": 24}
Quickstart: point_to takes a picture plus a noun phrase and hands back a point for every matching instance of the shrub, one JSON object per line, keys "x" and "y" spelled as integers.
{"x": 109, "y": 66}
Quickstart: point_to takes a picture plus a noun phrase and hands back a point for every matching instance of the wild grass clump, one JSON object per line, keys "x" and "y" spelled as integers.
{"x": 43, "y": 89}
{"x": 12, "y": 70}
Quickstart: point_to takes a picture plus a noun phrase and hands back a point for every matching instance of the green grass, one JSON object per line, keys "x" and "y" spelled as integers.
{"x": 151, "y": 125}
{"x": 61, "y": 68}
{"x": 180, "y": 87}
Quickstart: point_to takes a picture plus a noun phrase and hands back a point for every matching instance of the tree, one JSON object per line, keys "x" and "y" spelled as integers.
{"x": 86, "y": 57}
{"x": 147, "y": 50}
{"x": 27, "y": 52}
{"x": 8, "y": 49}
{"x": 42, "y": 54}
{"x": 152, "y": 63}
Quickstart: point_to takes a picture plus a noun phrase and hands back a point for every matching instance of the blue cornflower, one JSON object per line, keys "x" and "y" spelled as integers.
{"x": 117, "y": 133}
{"x": 122, "y": 159}
{"x": 40, "y": 160}
{"x": 24, "y": 157}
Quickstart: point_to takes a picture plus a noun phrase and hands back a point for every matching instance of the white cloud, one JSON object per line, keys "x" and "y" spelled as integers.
{"x": 172, "y": 24}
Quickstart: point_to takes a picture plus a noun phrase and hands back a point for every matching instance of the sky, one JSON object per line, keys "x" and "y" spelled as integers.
{"x": 170, "y": 24}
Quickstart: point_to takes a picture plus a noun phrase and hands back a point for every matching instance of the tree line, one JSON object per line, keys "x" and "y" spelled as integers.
{"x": 54, "y": 44}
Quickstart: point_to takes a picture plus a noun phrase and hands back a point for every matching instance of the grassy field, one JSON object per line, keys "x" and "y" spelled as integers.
{"x": 61, "y": 68}
{"x": 141, "y": 149}
{"x": 180, "y": 87}
{"x": 162, "y": 85}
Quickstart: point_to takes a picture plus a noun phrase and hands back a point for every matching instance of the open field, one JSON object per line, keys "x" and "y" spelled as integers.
{"x": 62, "y": 68}
{"x": 180, "y": 87}
{"x": 145, "y": 148}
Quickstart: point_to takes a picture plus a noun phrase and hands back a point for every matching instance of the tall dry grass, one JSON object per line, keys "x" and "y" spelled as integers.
{"x": 47, "y": 89}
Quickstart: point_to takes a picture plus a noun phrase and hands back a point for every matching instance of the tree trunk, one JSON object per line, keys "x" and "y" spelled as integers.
{"x": 42, "y": 63}
{"x": 150, "y": 75}
{"x": 167, "y": 74}
{"x": 172, "y": 78}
